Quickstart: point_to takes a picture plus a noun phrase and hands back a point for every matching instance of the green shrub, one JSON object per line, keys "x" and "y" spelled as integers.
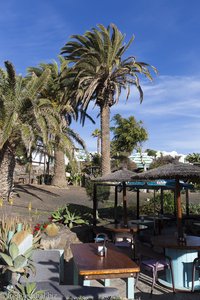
{"x": 103, "y": 191}
{"x": 151, "y": 204}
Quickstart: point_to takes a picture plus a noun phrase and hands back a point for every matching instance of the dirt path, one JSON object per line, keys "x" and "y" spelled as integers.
{"x": 43, "y": 200}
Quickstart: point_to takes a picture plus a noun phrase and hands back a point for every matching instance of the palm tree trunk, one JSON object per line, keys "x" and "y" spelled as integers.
{"x": 7, "y": 166}
{"x": 98, "y": 144}
{"x": 105, "y": 139}
{"x": 59, "y": 178}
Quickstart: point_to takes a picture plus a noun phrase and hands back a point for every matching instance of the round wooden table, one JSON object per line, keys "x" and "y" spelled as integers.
{"x": 140, "y": 222}
{"x": 133, "y": 228}
{"x": 182, "y": 256}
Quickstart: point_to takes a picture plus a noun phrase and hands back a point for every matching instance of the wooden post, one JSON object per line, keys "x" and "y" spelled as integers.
{"x": 125, "y": 204}
{"x": 95, "y": 204}
{"x": 187, "y": 202}
{"x": 138, "y": 203}
{"x": 161, "y": 201}
{"x": 179, "y": 209}
{"x": 174, "y": 203}
{"x": 116, "y": 200}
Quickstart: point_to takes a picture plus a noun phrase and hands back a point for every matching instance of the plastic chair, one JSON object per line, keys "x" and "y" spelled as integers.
{"x": 195, "y": 267}
{"x": 154, "y": 262}
{"x": 125, "y": 241}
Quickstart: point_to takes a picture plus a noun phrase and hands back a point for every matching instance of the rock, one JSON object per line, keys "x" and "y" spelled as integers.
{"x": 63, "y": 240}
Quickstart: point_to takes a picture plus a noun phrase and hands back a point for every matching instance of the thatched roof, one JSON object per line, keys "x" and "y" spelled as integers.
{"x": 171, "y": 171}
{"x": 117, "y": 176}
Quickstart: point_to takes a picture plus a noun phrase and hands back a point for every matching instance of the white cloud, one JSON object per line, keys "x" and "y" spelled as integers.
{"x": 170, "y": 113}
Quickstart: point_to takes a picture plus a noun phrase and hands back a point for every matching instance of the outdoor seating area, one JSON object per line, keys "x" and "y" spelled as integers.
{"x": 130, "y": 261}
{"x": 48, "y": 276}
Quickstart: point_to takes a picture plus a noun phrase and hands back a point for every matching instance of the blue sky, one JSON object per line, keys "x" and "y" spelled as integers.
{"x": 167, "y": 35}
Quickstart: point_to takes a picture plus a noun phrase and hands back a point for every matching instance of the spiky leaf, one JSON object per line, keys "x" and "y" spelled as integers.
{"x": 20, "y": 262}
{"x": 7, "y": 259}
{"x": 13, "y": 251}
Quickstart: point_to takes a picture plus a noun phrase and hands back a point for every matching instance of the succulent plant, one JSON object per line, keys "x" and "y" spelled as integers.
{"x": 25, "y": 292}
{"x": 16, "y": 264}
{"x": 8, "y": 224}
{"x": 57, "y": 215}
{"x": 14, "y": 261}
{"x": 71, "y": 218}
{"x": 52, "y": 229}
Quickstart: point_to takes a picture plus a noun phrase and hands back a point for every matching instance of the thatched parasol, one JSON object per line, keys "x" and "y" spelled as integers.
{"x": 120, "y": 176}
{"x": 123, "y": 175}
{"x": 175, "y": 171}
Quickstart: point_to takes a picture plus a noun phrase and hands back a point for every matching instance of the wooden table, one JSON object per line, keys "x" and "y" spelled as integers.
{"x": 140, "y": 222}
{"x": 182, "y": 258}
{"x": 133, "y": 228}
{"x": 89, "y": 265}
{"x": 158, "y": 222}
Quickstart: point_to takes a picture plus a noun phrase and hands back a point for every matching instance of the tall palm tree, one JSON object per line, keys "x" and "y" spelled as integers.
{"x": 97, "y": 134}
{"x": 101, "y": 73}
{"x": 59, "y": 96}
{"x": 23, "y": 117}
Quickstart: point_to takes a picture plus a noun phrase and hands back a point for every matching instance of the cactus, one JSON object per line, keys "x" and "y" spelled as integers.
{"x": 52, "y": 229}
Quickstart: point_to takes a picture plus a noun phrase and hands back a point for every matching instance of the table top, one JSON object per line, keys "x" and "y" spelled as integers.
{"x": 140, "y": 222}
{"x": 159, "y": 218}
{"x": 171, "y": 241}
{"x": 196, "y": 223}
{"x": 122, "y": 228}
{"x": 88, "y": 261}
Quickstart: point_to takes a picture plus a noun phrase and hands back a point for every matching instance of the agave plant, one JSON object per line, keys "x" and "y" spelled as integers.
{"x": 71, "y": 218}
{"x": 57, "y": 216}
{"x": 25, "y": 292}
{"x": 16, "y": 263}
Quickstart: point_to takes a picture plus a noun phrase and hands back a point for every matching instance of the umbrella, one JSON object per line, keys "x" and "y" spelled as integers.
{"x": 120, "y": 176}
{"x": 175, "y": 171}
{"x": 123, "y": 175}
{"x": 160, "y": 183}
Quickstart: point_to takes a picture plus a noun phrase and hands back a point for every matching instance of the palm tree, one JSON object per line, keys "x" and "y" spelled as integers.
{"x": 59, "y": 95}
{"x": 101, "y": 74}
{"x": 97, "y": 134}
{"x": 23, "y": 118}
{"x": 193, "y": 158}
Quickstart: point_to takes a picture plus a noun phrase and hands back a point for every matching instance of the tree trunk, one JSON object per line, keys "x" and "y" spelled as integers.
{"x": 7, "y": 166}
{"x": 98, "y": 144}
{"x": 59, "y": 178}
{"x": 105, "y": 139}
